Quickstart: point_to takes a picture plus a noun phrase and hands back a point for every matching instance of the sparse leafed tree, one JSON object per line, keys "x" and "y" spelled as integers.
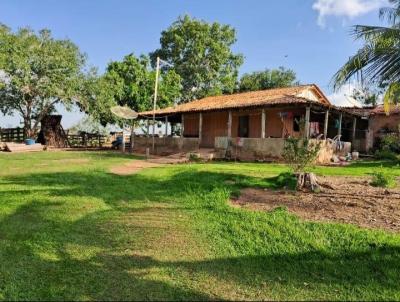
{"x": 300, "y": 154}
{"x": 100, "y": 95}
{"x": 268, "y": 79}
{"x": 90, "y": 125}
{"x": 367, "y": 96}
{"x": 37, "y": 72}
{"x": 201, "y": 54}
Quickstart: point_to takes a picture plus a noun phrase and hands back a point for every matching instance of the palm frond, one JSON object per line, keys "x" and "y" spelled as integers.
{"x": 379, "y": 58}
{"x": 392, "y": 96}
{"x": 390, "y": 14}
{"x": 384, "y": 67}
{"x": 373, "y": 33}
{"x": 354, "y": 65}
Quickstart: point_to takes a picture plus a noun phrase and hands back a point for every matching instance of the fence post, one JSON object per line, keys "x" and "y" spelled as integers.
{"x": 84, "y": 142}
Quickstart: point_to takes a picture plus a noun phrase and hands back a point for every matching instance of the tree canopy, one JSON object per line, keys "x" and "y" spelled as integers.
{"x": 36, "y": 73}
{"x": 200, "y": 53}
{"x": 268, "y": 79}
{"x": 130, "y": 82}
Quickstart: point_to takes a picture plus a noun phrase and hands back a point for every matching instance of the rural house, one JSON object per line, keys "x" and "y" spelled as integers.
{"x": 253, "y": 125}
{"x": 380, "y": 123}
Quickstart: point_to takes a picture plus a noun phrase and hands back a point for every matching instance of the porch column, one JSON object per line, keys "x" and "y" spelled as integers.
{"x": 340, "y": 124}
{"x": 122, "y": 144}
{"x": 166, "y": 126}
{"x": 148, "y": 128}
{"x": 369, "y": 141}
{"x": 353, "y": 132}
{"x": 200, "y": 126}
{"x": 132, "y": 138}
{"x": 326, "y": 124}
{"x": 182, "y": 124}
{"x": 229, "y": 124}
{"x": 307, "y": 123}
{"x": 263, "y": 123}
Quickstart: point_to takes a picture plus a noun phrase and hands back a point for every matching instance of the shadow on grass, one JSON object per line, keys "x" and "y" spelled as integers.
{"x": 59, "y": 274}
{"x": 374, "y": 270}
{"x": 39, "y": 261}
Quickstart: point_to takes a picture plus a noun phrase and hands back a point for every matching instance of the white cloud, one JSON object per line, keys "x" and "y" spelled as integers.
{"x": 343, "y": 97}
{"x": 344, "y": 8}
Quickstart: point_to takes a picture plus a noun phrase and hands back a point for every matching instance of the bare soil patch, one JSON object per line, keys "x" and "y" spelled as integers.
{"x": 351, "y": 200}
{"x": 135, "y": 166}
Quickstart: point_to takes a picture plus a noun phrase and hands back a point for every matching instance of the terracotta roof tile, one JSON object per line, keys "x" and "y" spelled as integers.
{"x": 394, "y": 109}
{"x": 371, "y": 110}
{"x": 290, "y": 95}
{"x": 363, "y": 111}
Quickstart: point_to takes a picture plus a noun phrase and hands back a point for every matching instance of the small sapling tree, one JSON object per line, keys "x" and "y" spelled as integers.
{"x": 300, "y": 154}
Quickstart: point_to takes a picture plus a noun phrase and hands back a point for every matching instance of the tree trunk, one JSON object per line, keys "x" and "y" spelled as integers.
{"x": 28, "y": 131}
{"x": 132, "y": 140}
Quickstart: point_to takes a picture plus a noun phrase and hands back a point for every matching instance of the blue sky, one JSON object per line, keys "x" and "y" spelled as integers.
{"x": 313, "y": 34}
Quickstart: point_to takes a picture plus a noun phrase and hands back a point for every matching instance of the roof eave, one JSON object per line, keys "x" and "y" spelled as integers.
{"x": 301, "y": 101}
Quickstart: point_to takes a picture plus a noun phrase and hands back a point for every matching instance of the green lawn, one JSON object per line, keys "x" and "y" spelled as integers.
{"x": 70, "y": 230}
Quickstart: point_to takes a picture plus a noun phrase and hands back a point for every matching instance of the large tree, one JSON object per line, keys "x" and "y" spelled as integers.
{"x": 377, "y": 62}
{"x": 201, "y": 54}
{"x": 268, "y": 79}
{"x": 130, "y": 82}
{"x": 36, "y": 73}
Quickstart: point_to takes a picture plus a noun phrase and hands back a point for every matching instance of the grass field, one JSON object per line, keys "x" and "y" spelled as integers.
{"x": 70, "y": 230}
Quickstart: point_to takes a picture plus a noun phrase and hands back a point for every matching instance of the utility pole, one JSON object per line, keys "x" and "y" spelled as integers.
{"x": 159, "y": 61}
{"x": 155, "y": 100}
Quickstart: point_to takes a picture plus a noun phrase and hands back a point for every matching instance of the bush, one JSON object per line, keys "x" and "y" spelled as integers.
{"x": 390, "y": 143}
{"x": 385, "y": 154}
{"x": 383, "y": 179}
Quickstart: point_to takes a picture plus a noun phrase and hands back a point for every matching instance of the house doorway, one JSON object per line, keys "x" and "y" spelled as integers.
{"x": 243, "y": 130}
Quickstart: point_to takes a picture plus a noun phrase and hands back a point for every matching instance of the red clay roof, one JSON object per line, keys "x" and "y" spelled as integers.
{"x": 371, "y": 110}
{"x": 363, "y": 111}
{"x": 394, "y": 109}
{"x": 290, "y": 95}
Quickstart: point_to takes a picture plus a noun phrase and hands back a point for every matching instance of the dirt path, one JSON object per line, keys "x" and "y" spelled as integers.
{"x": 352, "y": 200}
{"x": 135, "y": 166}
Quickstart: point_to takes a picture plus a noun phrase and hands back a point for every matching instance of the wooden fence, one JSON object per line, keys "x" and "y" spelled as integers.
{"x": 86, "y": 140}
{"x": 12, "y": 135}
{"x": 82, "y": 140}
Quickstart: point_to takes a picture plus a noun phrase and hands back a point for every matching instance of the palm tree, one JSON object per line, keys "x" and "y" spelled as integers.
{"x": 378, "y": 61}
